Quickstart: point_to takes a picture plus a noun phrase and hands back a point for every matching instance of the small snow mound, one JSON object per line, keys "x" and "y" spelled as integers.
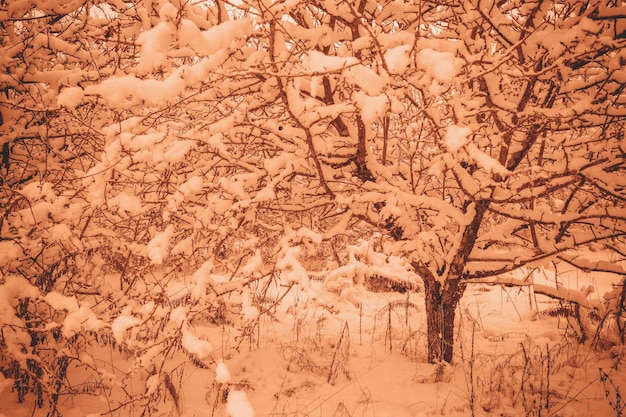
{"x": 456, "y": 137}
{"x": 318, "y": 62}
{"x": 121, "y": 324}
{"x": 238, "y": 405}
{"x": 70, "y": 97}
{"x": 398, "y": 59}
{"x": 441, "y": 66}
{"x": 201, "y": 348}
{"x": 60, "y": 302}
{"x": 158, "y": 246}
{"x": 222, "y": 374}
{"x": 154, "y": 47}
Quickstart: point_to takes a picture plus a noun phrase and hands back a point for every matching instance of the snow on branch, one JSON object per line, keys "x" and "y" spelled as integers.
{"x": 589, "y": 265}
{"x": 558, "y": 292}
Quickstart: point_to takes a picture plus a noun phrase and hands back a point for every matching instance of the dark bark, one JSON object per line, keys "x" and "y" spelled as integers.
{"x": 441, "y": 302}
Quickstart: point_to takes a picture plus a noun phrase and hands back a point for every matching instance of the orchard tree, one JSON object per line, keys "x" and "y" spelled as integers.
{"x": 165, "y": 161}
{"x": 126, "y": 220}
{"x": 43, "y": 243}
{"x": 479, "y": 138}
{"x": 152, "y": 194}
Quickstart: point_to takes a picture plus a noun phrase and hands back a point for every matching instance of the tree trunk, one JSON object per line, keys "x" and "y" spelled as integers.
{"x": 441, "y": 302}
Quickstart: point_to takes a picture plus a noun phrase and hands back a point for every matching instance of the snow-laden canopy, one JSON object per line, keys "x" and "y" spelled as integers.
{"x": 160, "y": 157}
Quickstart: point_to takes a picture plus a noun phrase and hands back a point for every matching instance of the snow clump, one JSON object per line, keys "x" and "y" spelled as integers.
{"x": 222, "y": 374}
{"x": 456, "y": 137}
{"x": 238, "y": 405}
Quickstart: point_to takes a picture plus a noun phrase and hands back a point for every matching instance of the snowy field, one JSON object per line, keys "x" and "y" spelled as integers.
{"x": 312, "y": 358}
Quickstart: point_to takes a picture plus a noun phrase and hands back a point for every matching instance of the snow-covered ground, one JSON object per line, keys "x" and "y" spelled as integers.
{"x": 304, "y": 359}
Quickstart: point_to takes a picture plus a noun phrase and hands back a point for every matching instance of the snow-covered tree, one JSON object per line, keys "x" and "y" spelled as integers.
{"x": 46, "y": 47}
{"x": 120, "y": 226}
{"x": 145, "y": 199}
{"x": 162, "y": 159}
{"x": 478, "y": 138}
